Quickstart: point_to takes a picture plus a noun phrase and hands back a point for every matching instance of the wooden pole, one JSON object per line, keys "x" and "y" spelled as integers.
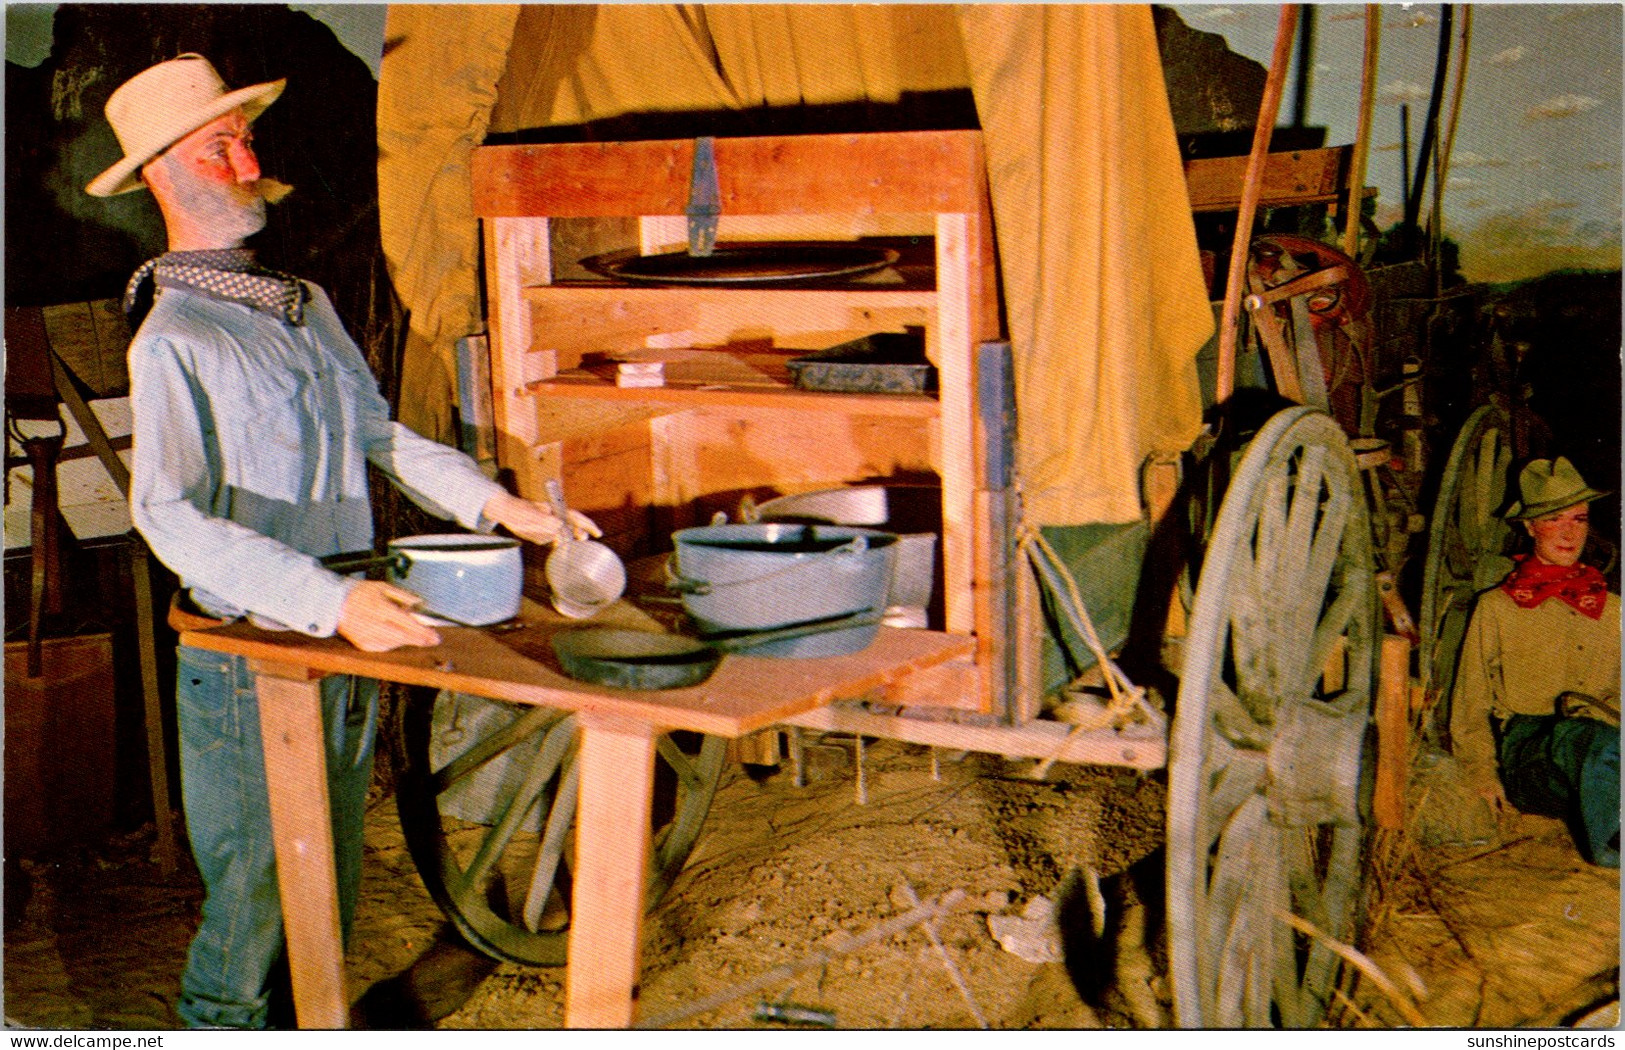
{"x": 1456, "y": 91}
{"x": 1393, "y": 733}
{"x": 1251, "y": 186}
{"x": 1362, "y": 138}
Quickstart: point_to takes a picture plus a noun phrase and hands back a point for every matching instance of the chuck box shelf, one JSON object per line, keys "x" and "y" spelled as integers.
{"x": 646, "y": 460}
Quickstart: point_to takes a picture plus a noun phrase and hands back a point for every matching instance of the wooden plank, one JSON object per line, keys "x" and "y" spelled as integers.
{"x": 1393, "y": 733}
{"x": 616, "y": 760}
{"x": 746, "y": 693}
{"x": 956, "y": 338}
{"x": 1036, "y": 739}
{"x": 1298, "y": 177}
{"x": 911, "y": 171}
{"x": 955, "y": 684}
{"x": 590, "y": 387}
{"x": 302, "y": 828}
{"x": 576, "y": 321}
{"x": 518, "y": 255}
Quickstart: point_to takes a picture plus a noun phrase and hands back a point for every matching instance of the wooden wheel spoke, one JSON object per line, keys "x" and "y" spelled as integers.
{"x": 677, "y": 759}
{"x": 1305, "y": 511}
{"x": 551, "y": 849}
{"x": 1236, "y": 776}
{"x": 1264, "y": 964}
{"x": 1303, "y": 878}
{"x": 1272, "y": 518}
{"x": 1287, "y": 977}
{"x": 1234, "y": 721}
{"x": 1229, "y": 926}
{"x": 1333, "y": 628}
{"x": 559, "y": 742}
{"x": 483, "y": 750}
{"x": 1328, "y": 543}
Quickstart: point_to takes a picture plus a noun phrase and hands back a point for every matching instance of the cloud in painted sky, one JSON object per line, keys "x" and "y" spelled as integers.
{"x": 1511, "y": 56}
{"x": 1402, "y": 91}
{"x": 1469, "y": 159}
{"x": 1226, "y": 16}
{"x": 1347, "y": 16}
{"x": 1387, "y": 147}
{"x": 1414, "y": 20}
{"x": 1602, "y": 165}
{"x": 1461, "y": 182}
{"x": 1561, "y": 106}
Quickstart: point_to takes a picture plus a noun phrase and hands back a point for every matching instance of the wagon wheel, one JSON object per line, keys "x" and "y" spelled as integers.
{"x": 1467, "y": 544}
{"x": 1269, "y": 735}
{"x": 487, "y": 799}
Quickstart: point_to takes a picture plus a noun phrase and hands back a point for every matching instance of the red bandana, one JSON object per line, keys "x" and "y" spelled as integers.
{"x": 1580, "y": 586}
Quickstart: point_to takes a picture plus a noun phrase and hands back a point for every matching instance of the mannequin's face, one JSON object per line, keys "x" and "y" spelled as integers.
{"x": 1560, "y": 535}
{"x": 211, "y": 177}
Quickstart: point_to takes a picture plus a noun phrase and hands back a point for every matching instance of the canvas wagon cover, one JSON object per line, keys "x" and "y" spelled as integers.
{"x": 1102, "y": 285}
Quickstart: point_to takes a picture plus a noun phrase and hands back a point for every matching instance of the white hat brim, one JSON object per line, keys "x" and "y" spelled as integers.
{"x": 123, "y": 176}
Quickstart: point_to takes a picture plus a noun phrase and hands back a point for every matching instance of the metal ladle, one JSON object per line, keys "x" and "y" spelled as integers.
{"x": 584, "y": 576}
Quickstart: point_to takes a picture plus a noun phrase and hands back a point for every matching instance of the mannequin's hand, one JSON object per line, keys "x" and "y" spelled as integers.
{"x": 535, "y": 521}
{"x": 377, "y": 617}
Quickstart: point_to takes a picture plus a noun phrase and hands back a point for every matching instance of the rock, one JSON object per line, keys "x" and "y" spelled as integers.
{"x": 1034, "y": 935}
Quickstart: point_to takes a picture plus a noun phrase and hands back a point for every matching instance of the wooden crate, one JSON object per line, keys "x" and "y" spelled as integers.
{"x": 59, "y": 749}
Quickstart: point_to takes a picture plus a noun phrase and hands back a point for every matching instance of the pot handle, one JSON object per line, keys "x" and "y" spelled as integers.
{"x": 676, "y": 581}
{"x": 360, "y": 561}
{"x": 734, "y": 641}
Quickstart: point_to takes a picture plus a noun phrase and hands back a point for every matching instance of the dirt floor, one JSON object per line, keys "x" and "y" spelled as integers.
{"x": 1514, "y": 931}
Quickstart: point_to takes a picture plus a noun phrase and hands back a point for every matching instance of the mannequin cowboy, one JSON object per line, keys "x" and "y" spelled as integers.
{"x": 255, "y": 419}
{"x": 1535, "y": 715}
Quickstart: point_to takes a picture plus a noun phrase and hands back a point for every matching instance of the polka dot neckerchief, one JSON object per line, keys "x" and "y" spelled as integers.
{"x": 226, "y": 273}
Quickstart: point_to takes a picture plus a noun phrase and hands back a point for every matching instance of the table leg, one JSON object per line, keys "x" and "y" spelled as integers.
{"x": 290, "y": 703}
{"x": 612, "y": 851}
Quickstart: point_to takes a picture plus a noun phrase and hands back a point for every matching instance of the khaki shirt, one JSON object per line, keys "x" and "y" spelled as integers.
{"x": 1517, "y": 661}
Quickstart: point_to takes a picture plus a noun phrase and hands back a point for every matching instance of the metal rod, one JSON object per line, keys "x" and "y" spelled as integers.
{"x": 930, "y": 929}
{"x": 783, "y": 972}
{"x": 1306, "y": 66}
{"x": 1430, "y": 128}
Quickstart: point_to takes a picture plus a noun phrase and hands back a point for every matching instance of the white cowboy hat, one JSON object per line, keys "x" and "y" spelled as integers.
{"x": 159, "y": 106}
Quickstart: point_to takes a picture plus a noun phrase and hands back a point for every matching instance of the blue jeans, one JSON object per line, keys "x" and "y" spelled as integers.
{"x": 229, "y": 824}
{"x": 1567, "y": 768}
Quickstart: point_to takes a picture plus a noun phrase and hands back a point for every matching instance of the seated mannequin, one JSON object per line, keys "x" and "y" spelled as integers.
{"x": 1535, "y": 713}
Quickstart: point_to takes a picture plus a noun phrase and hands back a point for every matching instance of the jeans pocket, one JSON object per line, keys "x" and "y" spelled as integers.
{"x": 205, "y": 699}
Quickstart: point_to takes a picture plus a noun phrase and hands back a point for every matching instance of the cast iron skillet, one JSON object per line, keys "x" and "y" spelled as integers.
{"x": 626, "y": 659}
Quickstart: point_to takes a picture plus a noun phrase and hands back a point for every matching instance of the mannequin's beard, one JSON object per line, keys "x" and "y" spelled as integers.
{"x": 234, "y": 210}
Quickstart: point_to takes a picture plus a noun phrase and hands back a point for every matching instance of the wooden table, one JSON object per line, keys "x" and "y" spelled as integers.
{"x": 616, "y": 759}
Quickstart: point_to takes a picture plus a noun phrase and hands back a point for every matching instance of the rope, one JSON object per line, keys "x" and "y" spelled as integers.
{"x": 1127, "y": 700}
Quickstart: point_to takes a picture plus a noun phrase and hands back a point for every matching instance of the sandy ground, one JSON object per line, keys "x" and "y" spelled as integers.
{"x": 1518, "y": 932}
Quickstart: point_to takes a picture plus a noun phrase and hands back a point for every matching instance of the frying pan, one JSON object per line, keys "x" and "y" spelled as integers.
{"x": 623, "y": 659}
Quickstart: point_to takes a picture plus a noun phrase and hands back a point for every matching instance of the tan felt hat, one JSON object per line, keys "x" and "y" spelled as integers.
{"x": 1549, "y": 485}
{"x": 159, "y": 106}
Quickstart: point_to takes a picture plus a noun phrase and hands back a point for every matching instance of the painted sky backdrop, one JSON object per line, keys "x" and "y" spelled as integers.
{"x": 1535, "y": 179}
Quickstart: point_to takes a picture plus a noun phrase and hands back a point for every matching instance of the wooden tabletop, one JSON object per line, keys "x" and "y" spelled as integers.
{"x": 745, "y": 694}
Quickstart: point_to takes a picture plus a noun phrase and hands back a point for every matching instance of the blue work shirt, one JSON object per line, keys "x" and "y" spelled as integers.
{"x": 250, "y": 449}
